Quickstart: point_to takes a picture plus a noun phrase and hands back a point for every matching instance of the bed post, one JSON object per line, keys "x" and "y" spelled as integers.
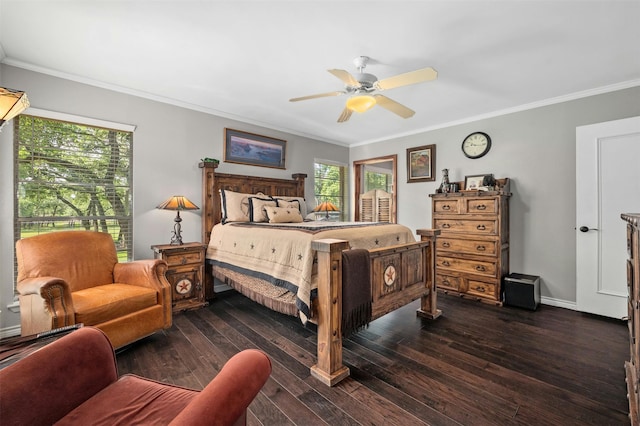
{"x": 329, "y": 369}
{"x": 428, "y": 305}
{"x": 208, "y": 217}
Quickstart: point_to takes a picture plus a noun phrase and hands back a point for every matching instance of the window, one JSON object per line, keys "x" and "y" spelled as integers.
{"x": 71, "y": 176}
{"x": 377, "y": 178}
{"x": 330, "y": 184}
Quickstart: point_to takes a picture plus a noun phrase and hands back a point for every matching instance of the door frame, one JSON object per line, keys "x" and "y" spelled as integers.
{"x": 358, "y": 172}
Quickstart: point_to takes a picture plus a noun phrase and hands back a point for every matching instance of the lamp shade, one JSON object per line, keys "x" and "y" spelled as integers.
{"x": 178, "y": 202}
{"x": 326, "y": 206}
{"x": 12, "y": 103}
{"x": 361, "y": 103}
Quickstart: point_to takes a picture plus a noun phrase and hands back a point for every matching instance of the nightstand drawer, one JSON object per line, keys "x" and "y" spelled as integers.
{"x": 178, "y": 258}
{"x": 487, "y": 248}
{"x": 479, "y": 227}
{"x": 469, "y": 266}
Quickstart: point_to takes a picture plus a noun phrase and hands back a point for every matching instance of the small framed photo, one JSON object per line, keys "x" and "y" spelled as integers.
{"x": 476, "y": 182}
{"x": 254, "y": 150}
{"x": 421, "y": 163}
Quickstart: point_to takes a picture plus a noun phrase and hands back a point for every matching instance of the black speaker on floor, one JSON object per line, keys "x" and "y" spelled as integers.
{"x": 522, "y": 291}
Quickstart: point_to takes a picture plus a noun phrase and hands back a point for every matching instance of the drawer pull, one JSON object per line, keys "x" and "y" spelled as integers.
{"x": 446, "y": 282}
{"x": 481, "y": 227}
{"x": 481, "y": 207}
{"x": 446, "y": 244}
{"x": 446, "y": 226}
{"x": 184, "y": 260}
{"x": 446, "y": 207}
{"x": 480, "y": 289}
{"x": 481, "y": 248}
{"x": 446, "y": 263}
{"x": 480, "y": 268}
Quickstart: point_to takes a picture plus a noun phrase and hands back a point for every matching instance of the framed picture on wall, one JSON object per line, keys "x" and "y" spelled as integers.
{"x": 421, "y": 163}
{"x": 254, "y": 150}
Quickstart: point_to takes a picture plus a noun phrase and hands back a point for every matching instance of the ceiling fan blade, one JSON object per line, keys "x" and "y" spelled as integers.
{"x": 394, "y": 106}
{"x": 319, "y": 95}
{"x": 346, "y": 114}
{"x": 413, "y": 77}
{"x": 346, "y": 78}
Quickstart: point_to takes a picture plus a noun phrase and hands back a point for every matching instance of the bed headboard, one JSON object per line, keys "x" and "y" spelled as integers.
{"x": 213, "y": 182}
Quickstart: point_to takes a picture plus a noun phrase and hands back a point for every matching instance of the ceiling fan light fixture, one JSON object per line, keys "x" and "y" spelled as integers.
{"x": 361, "y": 103}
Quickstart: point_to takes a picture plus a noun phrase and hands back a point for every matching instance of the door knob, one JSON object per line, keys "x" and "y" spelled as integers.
{"x": 587, "y": 229}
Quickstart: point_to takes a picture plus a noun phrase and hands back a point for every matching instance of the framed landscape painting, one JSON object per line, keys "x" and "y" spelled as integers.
{"x": 421, "y": 162}
{"x": 254, "y": 150}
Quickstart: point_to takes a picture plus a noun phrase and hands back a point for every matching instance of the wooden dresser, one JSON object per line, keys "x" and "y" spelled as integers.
{"x": 472, "y": 251}
{"x": 632, "y": 367}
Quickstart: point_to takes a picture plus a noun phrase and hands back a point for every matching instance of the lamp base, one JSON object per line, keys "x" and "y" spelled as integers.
{"x": 176, "y": 239}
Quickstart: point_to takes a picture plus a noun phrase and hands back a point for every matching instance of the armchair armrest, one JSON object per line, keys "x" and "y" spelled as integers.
{"x": 46, "y": 385}
{"x": 48, "y": 302}
{"x": 227, "y": 396}
{"x": 147, "y": 273}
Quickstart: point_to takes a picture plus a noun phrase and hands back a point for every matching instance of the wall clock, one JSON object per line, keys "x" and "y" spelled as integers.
{"x": 476, "y": 145}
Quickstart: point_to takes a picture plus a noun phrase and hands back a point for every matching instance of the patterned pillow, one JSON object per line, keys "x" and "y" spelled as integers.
{"x": 283, "y": 215}
{"x": 257, "y": 212}
{"x": 235, "y": 206}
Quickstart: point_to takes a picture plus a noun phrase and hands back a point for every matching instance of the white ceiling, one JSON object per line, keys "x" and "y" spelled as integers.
{"x": 245, "y": 60}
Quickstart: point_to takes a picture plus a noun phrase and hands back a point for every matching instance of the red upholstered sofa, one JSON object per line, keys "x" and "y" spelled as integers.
{"x": 74, "y": 380}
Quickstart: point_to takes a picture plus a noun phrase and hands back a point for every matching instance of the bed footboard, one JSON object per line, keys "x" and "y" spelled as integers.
{"x": 399, "y": 275}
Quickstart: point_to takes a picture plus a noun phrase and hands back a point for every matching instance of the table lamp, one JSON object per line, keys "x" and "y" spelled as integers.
{"x": 326, "y": 207}
{"x": 177, "y": 202}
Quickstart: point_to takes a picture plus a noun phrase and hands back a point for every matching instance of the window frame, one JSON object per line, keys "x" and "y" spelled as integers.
{"x": 342, "y": 200}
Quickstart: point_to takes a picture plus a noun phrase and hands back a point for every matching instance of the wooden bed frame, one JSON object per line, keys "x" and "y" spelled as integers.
{"x": 399, "y": 274}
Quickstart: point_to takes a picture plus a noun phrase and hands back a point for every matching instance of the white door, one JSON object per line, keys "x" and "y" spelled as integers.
{"x": 607, "y": 184}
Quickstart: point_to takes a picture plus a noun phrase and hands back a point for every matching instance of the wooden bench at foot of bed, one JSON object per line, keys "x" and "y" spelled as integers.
{"x": 399, "y": 275}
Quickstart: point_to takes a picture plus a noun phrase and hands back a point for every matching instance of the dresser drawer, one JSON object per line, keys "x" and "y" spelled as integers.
{"x": 487, "y": 248}
{"x": 448, "y": 282}
{"x": 448, "y": 205}
{"x": 178, "y": 258}
{"x": 476, "y": 267}
{"x": 482, "y": 289}
{"x": 481, "y": 205}
{"x": 478, "y": 227}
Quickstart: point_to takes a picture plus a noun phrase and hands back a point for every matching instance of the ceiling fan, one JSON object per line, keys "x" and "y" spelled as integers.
{"x": 362, "y": 88}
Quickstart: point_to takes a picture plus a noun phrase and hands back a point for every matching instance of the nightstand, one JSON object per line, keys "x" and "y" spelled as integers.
{"x": 185, "y": 273}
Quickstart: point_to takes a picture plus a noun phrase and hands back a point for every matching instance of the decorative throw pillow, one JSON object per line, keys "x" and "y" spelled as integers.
{"x": 301, "y": 202}
{"x": 293, "y": 204}
{"x": 257, "y": 212}
{"x": 235, "y": 206}
{"x": 283, "y": 215}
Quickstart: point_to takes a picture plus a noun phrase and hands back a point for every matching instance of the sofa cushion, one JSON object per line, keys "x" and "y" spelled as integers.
{"x": 99, "y": 304}
{"x": 132, "y": 400}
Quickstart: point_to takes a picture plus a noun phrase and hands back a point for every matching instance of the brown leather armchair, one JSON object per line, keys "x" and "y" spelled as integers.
{"x": 66, "y": 386}
{"x": 71, "y": 277}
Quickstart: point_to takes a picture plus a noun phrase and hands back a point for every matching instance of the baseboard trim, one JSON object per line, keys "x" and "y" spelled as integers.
{"x": 9, "y": 332}
{"x": 558, "y": 303}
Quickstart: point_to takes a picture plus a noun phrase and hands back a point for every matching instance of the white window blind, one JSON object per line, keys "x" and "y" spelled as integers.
{"x": 71, "y": 176}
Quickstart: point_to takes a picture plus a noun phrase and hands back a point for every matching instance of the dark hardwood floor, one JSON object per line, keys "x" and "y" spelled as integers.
{"x": 476, "y": 365}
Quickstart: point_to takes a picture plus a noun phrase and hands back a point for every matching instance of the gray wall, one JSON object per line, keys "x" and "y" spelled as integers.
{"x": 169, "y": 142}
{"x": 536, "y": 150}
